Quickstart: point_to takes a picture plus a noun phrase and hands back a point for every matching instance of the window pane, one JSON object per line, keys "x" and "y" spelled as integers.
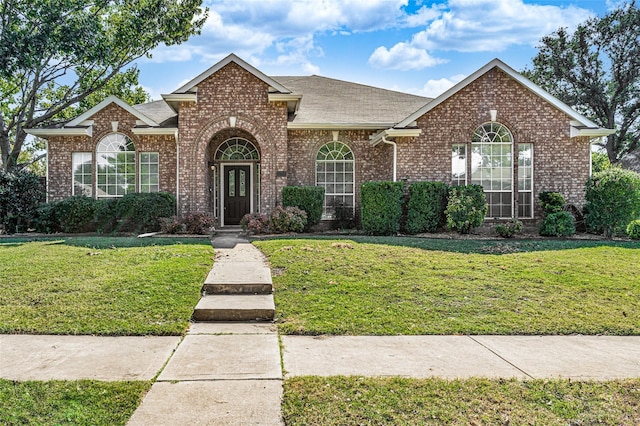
{"x": 335, "y": 172}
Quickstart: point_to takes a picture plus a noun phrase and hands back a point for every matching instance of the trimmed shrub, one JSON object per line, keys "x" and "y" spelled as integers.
{"x": 613, "y": 200}
{"x": 559, "y": 224}
{"x": 466, "y": 208}
{"x": 198, "y": 223}
{"x": 171, "y": 225}
{"x": 140, "y": 212}
{"x": 307, "y": 198}
{"x": 46, "y": 219}
{"x": 509, "y": 229}
{"x": 425, "y": 210}
{"x": 381, "y": 207}
{"x": 20, "y": 195}
{"x": 287, "y": 219}
{"x": 104, "y": 215}
{"x": 633, "y": 229}
{"x": 344, "y": 217}
{"x": 256, "y": 223}
{"x": 75, "y": 214}
{"x": 551, "y": 202}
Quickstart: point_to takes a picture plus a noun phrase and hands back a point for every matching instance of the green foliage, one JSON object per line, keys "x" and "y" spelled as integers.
{"x": 42, "y": 42}
{"x": 287, "y": 219}
{"x": 599, "y": 162}
{"x": 596, "y": 68}
{"x": 558, "y": 224}
{"x": 344, "y": 217}
{"x": 199, "y": 223}
{"x": 307, "y": 198}
{"x": 466, "y": 209}
{"x": 256, "y": 223}
{"x": 105, "y": 217}
{"x": 381, "y": 207}
{"x": 613, "y": 200}
{"x": 75, "y": 214}
{"x": 551, "y": 202}
{"x": 509, "y": 229}
{"x": 139, "y": 212}
{"x": 633, "y": 229}
{"x": 20, "y": 195}
{"x": 425, "y": 210}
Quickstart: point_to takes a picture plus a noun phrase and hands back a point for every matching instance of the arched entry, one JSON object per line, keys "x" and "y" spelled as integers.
{"x": 236, "y": 170}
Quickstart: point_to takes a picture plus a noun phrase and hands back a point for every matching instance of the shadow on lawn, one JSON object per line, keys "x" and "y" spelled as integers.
{"x": 479, "y": 246}
{"x": 100, "y": 242}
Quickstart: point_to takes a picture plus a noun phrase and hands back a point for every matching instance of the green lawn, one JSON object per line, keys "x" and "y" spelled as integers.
{"x": 396, "y": 401}
{"x": 69, "y": 402}
{"x": 391, "y": 286}
{"x": 105, "y": 286}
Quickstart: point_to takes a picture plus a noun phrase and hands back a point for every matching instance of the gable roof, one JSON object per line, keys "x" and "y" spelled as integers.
{"x": 331, "y": 103}
{"x": 109, "y": 100}
{"x": 582, "y": 123}
{"x": 243, "y": 64}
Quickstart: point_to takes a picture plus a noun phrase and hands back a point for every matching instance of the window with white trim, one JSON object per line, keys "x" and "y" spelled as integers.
{"x": 492, "y": 167}
{"x": 115, "y": 166}
{"x": 149, "y": 172}
{"x": 335, "y": 172}
{"x": 82, "y": 174}
{"x": 525, "y": 180}
{"x": 459, "y": 164}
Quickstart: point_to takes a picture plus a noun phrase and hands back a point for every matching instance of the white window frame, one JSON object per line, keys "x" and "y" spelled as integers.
{"x": 111, "y": 141}
{"x": 530, "y": 178}
{"x": 462, "y": 158}
{"x": 140, "y": 172}
{"x": 327, "y": 215}
{"x": 74, "y": 164}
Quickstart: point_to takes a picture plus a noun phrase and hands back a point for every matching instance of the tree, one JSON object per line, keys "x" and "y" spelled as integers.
{"x": 596, "y": 69}
{"x": 59, "y": 56}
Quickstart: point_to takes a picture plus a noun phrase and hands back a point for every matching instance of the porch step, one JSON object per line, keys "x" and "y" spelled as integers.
{"x": 228, "y": 278}
{"x": 240, "y": 307}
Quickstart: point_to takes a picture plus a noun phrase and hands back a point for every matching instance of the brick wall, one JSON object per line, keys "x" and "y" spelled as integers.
{"x": 560, "y": 162}
{"x": 60, "y": 150}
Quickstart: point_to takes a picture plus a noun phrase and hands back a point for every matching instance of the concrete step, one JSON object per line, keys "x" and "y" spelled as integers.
{"x": 240, "y": 307}
{"x": 226, "y": 277}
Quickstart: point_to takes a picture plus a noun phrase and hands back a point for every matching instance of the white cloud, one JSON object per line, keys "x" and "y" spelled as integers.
{"x": 404, "y": 57}
{"x": 434, "y": 88}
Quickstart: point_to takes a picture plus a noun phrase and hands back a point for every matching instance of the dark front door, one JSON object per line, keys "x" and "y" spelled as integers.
{"x": 237, "y": 193}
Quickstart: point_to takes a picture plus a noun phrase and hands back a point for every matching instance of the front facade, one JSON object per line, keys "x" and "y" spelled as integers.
{"x": 227, "y": 142}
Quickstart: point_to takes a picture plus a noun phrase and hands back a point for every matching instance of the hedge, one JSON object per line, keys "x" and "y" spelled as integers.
{"x": 425, "y": 210}
{"x": 381, "y": 207}
{"x": 466, "y": 208}
{"x": 20, "y": 195}
{"x": 307, "y": 198}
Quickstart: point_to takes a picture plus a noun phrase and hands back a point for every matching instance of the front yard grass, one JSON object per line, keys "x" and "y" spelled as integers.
{"x": 399, "y": 401}
{"x": 103, "y": 286}
{"x": 393, "y": 286}
{"x": 69, "y": 402}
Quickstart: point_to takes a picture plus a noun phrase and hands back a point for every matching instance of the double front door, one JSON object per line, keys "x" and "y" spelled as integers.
{"x": 237, "y": 193}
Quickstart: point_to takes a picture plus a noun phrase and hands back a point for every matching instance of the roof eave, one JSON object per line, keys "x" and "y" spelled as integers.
{"x": 338, "y": 126}
{"x": 64, "y": 131}
{"x": 154, "y": 130}
{"x": 108, "y": 101}
{"x": 394, "y": 133}
{"x": 591, "y": 132}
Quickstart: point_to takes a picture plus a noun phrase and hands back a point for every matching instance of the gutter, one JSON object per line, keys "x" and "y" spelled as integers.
{"x": 395, "y": 155}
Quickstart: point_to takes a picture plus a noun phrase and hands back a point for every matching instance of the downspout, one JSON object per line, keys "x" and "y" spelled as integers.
{"x": 395, "y": 155}
{"x": 177, "y": 174}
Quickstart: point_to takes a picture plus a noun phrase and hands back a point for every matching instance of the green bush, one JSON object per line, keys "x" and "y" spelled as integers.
{"x": 559, "y": 224}
{"x": 104, "y": 215}
{"x": 509, "y": 229}
{"x": 75, "y": 214}
{"x": 140, "y": 212}
{"x": 633, "y": 229}
{"x": 20, "y": 195}
{"x": 551, "y": 202}
{"x": 307, "y": 198}
{"x": 613, "y": 200}
{"x": 46, "y": 219}
{"x": 344, "y": 217}
{"x": 425, "y": 210}
{"x": 466, "y": 209}
{"x": 381, "y": 207}
{"x": 287, "y": 219}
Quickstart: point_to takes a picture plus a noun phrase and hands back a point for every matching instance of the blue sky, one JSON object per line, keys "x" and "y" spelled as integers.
{"x": 415, "y": 46}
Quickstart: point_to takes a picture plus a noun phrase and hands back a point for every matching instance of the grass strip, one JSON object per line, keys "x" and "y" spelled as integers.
{"x": 346, "y": 287}
{"x": 69, "y": 402}
{"x": 325, "y": 401}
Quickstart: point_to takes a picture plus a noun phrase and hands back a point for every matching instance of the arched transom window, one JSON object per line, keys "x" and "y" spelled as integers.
{"x": 335, "y": 172}
{"x": 237, "y": 149}
{"x": 116, "y": 166}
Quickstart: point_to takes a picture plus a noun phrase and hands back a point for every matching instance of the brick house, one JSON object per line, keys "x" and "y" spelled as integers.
{"x": 228, "y": 141}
